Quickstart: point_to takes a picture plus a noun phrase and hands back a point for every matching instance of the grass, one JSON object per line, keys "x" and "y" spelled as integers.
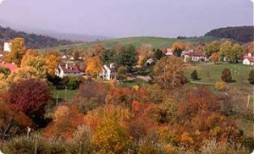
{"x": 67, "y": 95}
{"x": 210, "y": 73}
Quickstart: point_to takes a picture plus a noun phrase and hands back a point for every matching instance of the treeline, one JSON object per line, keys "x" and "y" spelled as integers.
{"x": 241, "y": 34}
{"x": 33, "y": 41}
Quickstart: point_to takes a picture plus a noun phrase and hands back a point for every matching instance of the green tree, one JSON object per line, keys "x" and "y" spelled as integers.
{"x": 226, "y": 48}
{"x": 158, "y": 54}
{"x": 251, "y": 76}
{"x": 236, "y": 52}
{"x": 127, "y": 57}
{"x": 178, "y": 48}
{"x": 194, "y": 75}
{"x": 122, "y": 73}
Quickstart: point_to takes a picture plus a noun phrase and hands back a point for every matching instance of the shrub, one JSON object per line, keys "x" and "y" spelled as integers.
{"x": 221, "y": 86}
{"x": 226, "y": 75}
{"x": 194, "y": 75}
{"x": 251, "y": 76}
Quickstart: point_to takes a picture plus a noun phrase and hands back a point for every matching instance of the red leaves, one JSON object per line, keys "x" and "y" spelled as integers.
{"x": 29, "y": 96}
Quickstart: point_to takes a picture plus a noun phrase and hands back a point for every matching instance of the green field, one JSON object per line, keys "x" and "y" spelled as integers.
{"x": 210, "y": 73}
{"x": 156, "y": 42}
{"x": 67, "y": 95}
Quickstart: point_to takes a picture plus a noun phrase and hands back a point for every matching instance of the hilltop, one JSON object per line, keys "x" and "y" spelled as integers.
{"x": 32, "y": 40}
{"x": 241, "y": 34}
{"x": 156, "y": 42}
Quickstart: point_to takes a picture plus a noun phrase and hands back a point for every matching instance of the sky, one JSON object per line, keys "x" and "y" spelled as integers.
{"x": 125, "y": 18}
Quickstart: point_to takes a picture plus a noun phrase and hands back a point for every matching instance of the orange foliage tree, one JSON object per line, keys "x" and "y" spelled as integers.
{"x": 52, "y": 61}
{"x": 94, "y": 66}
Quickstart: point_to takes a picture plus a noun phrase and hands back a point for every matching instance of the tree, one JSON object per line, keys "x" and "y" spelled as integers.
{"x": 32, "y": 59}
{"x": 194, "y": 75}
{"x": 145, "y": 52}
{"x": 215, "y": 57}
{"x": 30, "y": 96}
{"x": 226, "y": 48}
{"x": 251, "y": 76}
{"x": 18, "y": 50}
{"x": 158, "y": 54}
{"x": 177, "y": 48}
{"x": 12, "y": 122}
{"x": 127, "y": 57}
{"x": 122, "y": 73}
{"x": 52, "y": 61}
{"x": 5, "y": 71}
{"x": 236, "y": 52}
{"x": 212, "y": 48}
{"x": 110, "y": 133}
{"x": 226, "y": 75}
{"x": 169, "y": 72}
{"x": 94, "y": 66}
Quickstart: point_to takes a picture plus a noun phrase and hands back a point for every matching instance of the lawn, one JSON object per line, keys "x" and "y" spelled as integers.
{"x": 210, "y": 73}
{"x": 60, "y": 95}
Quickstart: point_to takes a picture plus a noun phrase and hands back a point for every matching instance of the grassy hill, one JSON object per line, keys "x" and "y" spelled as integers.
{"x": 156, "y": 42}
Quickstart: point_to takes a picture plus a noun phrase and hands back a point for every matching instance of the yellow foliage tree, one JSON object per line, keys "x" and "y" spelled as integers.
{"x": 18, "y": 50}
{"x": 94, "y": 66}
{"x": 53, "y": 59}
{"x": 32, "y": 59}
{"x": 110, "y": 133}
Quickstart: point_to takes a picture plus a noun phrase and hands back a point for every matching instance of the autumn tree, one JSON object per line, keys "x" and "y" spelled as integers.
{"x": 94, "y": 66}
{"x": 18, "y": 50}
{"x": 25, "y": 73}
{"x": 145, "y": 52}
{"x": 52, "y": 61}
{"x": 212, "y": 48}
{"x": 248, "y": 48}
{"x": 215, "y": 57}
{"x": 66, "y": 120}
{"x": 177, "y": 48}
{"x": 110, "y": 133}
{"x": 33, "y": 59}
{"x": 225, "y": 49}
{"x": 30, "y": 96}
{"x": 12, "y": 122}
{"x": 169, "y": 72}
{"x": 226, "y": 75}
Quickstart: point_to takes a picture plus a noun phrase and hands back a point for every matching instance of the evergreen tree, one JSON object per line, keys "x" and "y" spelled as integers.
{"x": 226, "y": 75}
{"x": 194, "y": 75}
{"x": 251, "y": 76}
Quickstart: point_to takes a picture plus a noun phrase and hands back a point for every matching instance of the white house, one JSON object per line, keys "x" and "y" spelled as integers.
{"x": 68, "y": 70}
{"x": 194, "y": 56}
{"x": 169, "y": 52}
{"x": 248, "y": 59}
{"x": 7, "y": 47}
{"x": 108, "y": 73}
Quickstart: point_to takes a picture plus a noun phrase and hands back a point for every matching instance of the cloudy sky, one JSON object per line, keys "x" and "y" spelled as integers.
{"x": 123, "y": 18}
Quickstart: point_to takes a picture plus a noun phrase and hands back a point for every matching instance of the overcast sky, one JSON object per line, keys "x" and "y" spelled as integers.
{"x": 123, "y": 18}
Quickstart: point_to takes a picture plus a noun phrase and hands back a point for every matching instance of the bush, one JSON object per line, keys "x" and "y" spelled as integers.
{"x": 251, "y": 77}
{"x": 221, "y": 86}
{"x": 194, "y": 75}
{"x": 226, "y": 75}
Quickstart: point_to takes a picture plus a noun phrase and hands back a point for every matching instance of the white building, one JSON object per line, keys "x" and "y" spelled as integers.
{"x": 108, "y": 73}
{"x": 248, "y": 59}
{"x": 7, "y": 47}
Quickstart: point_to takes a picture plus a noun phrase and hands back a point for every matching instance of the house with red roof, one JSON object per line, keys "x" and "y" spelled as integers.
{"x": 248, "y": 59}
{"x": 68, "y": 69}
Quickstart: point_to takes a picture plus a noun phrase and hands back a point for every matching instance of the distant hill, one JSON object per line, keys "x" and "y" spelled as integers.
{"x": 156, "y": 42}
{"x": 32, "y": 40}
{"x": 241, "y": 34}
